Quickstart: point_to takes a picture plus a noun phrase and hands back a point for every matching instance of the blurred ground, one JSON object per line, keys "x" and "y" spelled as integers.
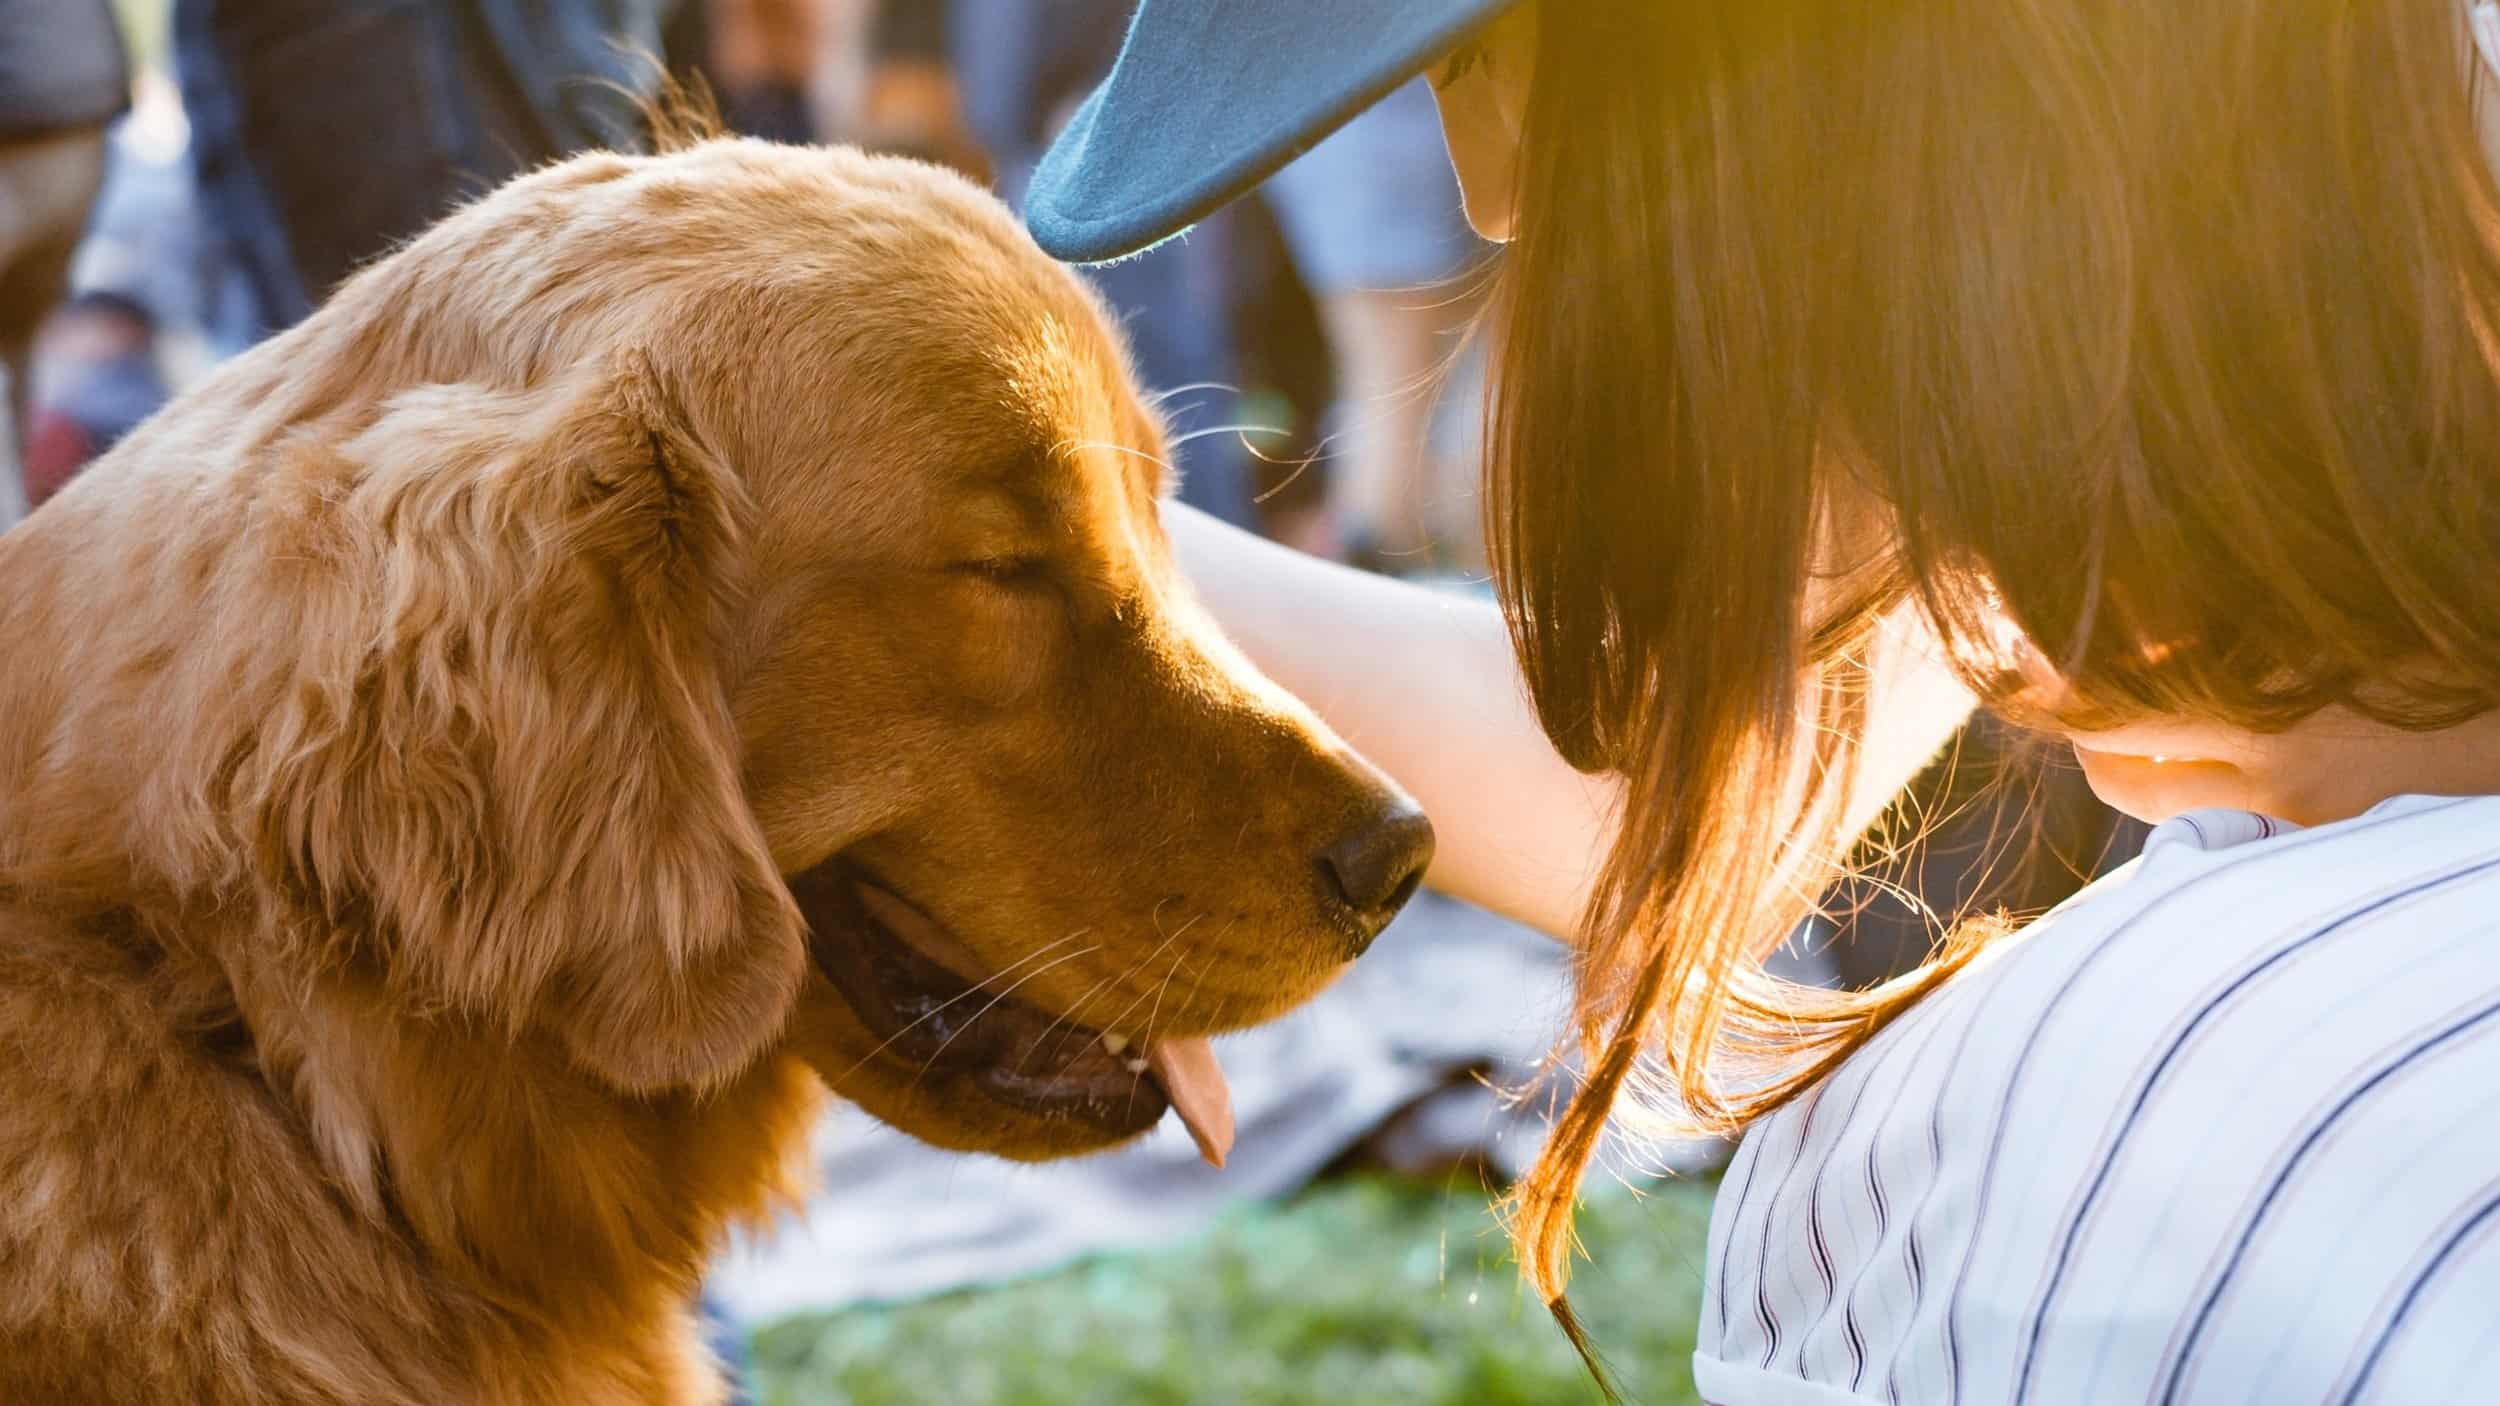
{"x": 1366, "y": 1291}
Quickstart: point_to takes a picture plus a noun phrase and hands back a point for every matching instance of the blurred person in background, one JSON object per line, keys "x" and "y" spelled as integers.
{"x": 308, "y": 137}
{"x": 909, "y": 99}
{"x": 1372, "y": 217}
{"x": 759, "y": 58}
{"x": 100, "y": 378}
{"x": 153, "y": 303}
{"x": 328, "y": 130}
{"x": 64, "y": 74}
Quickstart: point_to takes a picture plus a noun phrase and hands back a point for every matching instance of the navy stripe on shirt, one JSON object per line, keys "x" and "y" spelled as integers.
{"x": 2107, "y": 1162}
{"x": 2178, "y": 1368}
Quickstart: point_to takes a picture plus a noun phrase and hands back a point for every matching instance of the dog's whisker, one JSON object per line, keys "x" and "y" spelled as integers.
{"x": 1164, "y": 986}
{"x": 1067, "y": 1018}
{"x": 1160, "y": 947}
{"x": 940, "y": 1009}
{"x": 1166, "y": 983}
{"x": 1301, "y": 466}
{"x": 1129, "y": 449}
{"x": 1160, "y": 396}
{"x": 931, "y": 1062}
{"x": 1199, "y": 983}
{"x": 1112, "y": 1025}
{"x": 926, "y": 1064}
{"x": 1134, "y": 967}
{"x": 1244, "y": 430}
{"x": 1160, "y": 987}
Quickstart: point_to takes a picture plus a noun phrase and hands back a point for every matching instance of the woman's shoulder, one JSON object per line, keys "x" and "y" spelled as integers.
{"x": 2227, "y": 1116}
{"x": 2230, "y": 925}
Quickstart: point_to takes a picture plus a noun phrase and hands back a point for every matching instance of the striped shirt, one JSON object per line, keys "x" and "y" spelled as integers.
{"x": 2225, "y": 1127}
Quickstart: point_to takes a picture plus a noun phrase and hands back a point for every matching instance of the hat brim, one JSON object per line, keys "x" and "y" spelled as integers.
{"x": 1210, "y": 97}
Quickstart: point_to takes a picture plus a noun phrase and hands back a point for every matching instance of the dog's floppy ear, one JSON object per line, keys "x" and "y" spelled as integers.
{"x": 508, "y": 767}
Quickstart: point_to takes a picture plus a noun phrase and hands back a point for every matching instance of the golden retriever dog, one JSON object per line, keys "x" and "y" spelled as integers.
{"x": 686, "y": 632}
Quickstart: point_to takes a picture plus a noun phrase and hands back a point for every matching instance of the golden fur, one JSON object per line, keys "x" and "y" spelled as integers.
{"x": 406, "y": 737}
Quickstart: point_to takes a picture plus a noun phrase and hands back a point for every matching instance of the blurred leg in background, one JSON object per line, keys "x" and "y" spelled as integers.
{"x": 47, "y": 184}
{"x": 63, "y": 76}
{"x": 1373, "y": 219}
{"x": 1288, "y": 380}
{"x": 1176, "y": 306}
{"x": 235, "y": 214}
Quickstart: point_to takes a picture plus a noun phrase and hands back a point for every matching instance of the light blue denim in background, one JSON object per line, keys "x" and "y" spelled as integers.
{"x": 1376, "y": 206}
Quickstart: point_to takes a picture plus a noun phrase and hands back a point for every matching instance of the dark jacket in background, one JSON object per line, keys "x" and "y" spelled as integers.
{"x": 327, "y": 131}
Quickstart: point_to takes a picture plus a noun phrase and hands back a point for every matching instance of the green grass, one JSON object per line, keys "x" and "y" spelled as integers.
{"x": 1364, "y": 1292}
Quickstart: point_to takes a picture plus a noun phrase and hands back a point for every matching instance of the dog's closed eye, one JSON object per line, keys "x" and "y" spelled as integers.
{"x": 1015, "y": 572}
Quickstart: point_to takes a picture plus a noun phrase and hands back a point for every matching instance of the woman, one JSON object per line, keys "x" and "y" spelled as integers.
{"x": 2136, "y": 367}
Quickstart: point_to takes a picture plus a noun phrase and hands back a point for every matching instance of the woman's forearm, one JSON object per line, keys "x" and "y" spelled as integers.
{"x": 1424, "y": 684}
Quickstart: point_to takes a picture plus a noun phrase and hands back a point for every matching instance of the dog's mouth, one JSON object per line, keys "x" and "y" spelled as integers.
{"x": 935, "y": 1010}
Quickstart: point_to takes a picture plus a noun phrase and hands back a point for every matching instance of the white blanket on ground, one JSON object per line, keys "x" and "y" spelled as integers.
{"x": 1447, "y": 989}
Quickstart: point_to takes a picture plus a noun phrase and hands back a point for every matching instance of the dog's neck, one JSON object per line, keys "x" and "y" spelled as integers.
{"x": 510, "y": 1171}
{"x": 515, "y": 1222}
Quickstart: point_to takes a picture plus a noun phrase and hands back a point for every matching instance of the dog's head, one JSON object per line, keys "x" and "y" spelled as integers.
{"x": 744, "y": 594}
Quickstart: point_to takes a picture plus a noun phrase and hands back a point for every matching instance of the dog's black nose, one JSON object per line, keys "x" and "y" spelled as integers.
{"x": 1376, "y": 867}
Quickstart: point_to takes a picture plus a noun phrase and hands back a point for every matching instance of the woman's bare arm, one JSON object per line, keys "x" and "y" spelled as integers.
{"x": 1424, "y": 684}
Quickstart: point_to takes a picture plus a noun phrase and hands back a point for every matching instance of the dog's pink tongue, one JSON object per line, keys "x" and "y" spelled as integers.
{"x": 1195, "y": 1083}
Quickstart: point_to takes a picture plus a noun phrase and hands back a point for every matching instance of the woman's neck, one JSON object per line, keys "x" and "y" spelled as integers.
{"x": 2329, "y": 767}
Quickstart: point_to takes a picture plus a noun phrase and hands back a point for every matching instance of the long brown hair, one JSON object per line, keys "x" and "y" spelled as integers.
{"x": 2164, "y": 332}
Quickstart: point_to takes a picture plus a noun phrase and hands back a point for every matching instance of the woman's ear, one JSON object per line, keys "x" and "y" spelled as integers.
{"x": 508, "y": 762}
{"x": 1482, "y": 90}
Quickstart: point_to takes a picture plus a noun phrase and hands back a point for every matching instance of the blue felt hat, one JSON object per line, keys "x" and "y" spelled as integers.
{"x": 1210, "y": 97}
